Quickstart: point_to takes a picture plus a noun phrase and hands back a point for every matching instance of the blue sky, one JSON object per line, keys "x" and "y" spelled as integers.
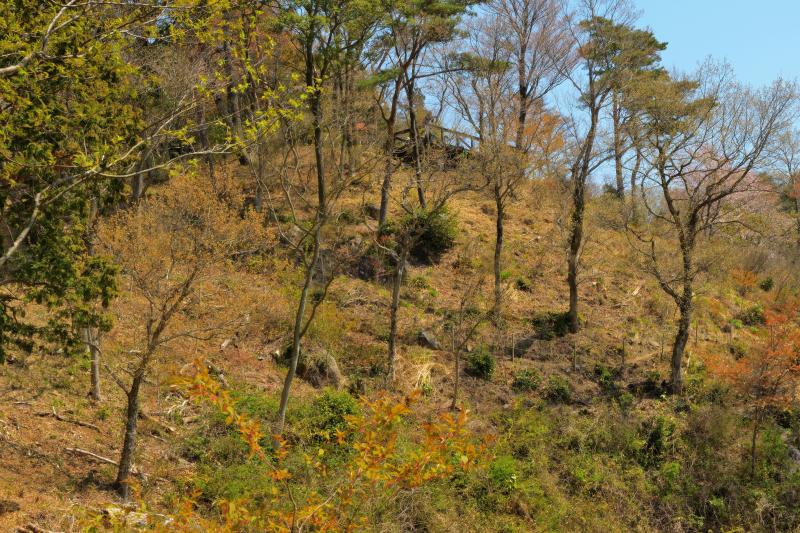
{"x": 760, "y": 39}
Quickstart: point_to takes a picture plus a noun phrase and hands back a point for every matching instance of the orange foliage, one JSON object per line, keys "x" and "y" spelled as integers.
{"x": 770, "y": 374}
{"x": 376, "y": 470}
{"x": 744, "y": 279}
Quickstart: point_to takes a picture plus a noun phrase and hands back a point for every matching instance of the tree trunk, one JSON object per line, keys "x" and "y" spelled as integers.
{"x": 412, "y": 124}
{"x": 615, "y": 113}
{"x": 397, "y": 283}
{"x": 387, "y": 176}
{"x": 457, "y": 363}
{"x": 679, "y": 347}
{"x": 580, "y": 173}
{"x": 522, "y": 95}
{"x": 139, "y": 179}
{"x": 299, "y": 328}
{"x": 753, "y": 438}
{"x": 797, "y": 208}
{"x": 205, "y": 145}
{"x": 388, "y": 149}
{"x": 297, "y": 334}
{"x": 258, "y": 203}
{"x": 498, "y": 251}
{"x": 231, "y": 96}
{"x": 634, "y": 187}
{"x": 575, "y": 239}
{"x": 129, "y": 443}
{"x": 91, "y": 339}
{"x": 685, "y": 307}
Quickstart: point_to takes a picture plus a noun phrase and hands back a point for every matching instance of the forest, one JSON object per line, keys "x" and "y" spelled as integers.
{"x": 392, "y": 266}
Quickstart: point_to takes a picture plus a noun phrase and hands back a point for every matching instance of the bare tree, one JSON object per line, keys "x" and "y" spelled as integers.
{"x": 462, "y": 325}
{"x": 705, "y": 139}
{"x": 484, "y": 95}
{"x": 318, "y": 32}
{"x": 515, "y": 56}
{"x": 409, "y": 31}
{"x": 787, "y": 159}
{"x": 539, "y": 48}
{"x": 187, "y": 230}
{"x": 442, "y": 183}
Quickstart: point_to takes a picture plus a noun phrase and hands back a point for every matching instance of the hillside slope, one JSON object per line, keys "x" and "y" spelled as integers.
{"x": 585, "y": 435}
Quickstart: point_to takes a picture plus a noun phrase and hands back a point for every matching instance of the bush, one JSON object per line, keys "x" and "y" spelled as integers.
{"x": 255, "y": 404}
{"x": 738, "y": 348}
{"x": 502, "y": 474}
{"x": 526, "y": 380}
{"x": 558, "y": 390}
{"x": 373, "y": 265}
{"x": 658, "y": 436}
{"x": 523, "y": 285}
{"x": 753, "y": 316}
{"x": 605, "y": 378}
{"x": 328, "y": 414}
{"x": 247, "y": 480}
{"x": 480, "y": 363}
{"x": 435, "y": 234}
{"x": 766, "y": 284}
{"x": 548, "y": 326}
{"x": 626, "y": 401}
{"x": 420, "y": 282}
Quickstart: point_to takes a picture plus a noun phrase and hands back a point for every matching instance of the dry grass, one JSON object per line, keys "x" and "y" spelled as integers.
{"x": 620, "y": 304}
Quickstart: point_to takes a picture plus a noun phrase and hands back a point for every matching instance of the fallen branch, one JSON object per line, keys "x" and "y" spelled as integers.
{"x": 93, "y": 455}
{"x": 154, "y": 420}
{"x": 100, "y": 458}
{"x": 60, "y": 418}
{"x": 217, "y": 373}
{"x": 33, "y": 528}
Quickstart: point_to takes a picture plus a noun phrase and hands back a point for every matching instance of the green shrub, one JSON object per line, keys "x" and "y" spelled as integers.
{"x": 435, "y": 234}
{"x": 653, "y": 383}
{"x": 194, "y": 447}
{"x": 670, "y": 475}
{"x": 226, "y": 449}
{"x": 502, "y": 474}
{"x": 625, "y": 401}
{"x": 327, "y": 414}
{"x": 526, "y": 380}
{"x": 738, "y": 348}
{"x": 480, "y": 363}
{"x": 522, "y": 284}
{"x": 255, "y": 404}
{"x": 249, "y": 480}
{"x": 766, "y": 284}
{"x": 420, "y": 282}
{"x": 658, "y": 434}
{"x": 549, "y": 325}
{"x": 373, "y": 265}
{"x": 605, "y": 378}
{"x": 558, "y": 390}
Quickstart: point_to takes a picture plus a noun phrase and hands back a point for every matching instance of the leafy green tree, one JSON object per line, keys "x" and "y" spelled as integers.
{"x": 408, "y": 30}
{"x": 325, "y": 32}
{"x": 610, "y": 51}
{"x": 63, "y": 88}
{"x": 80, "y": 113}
